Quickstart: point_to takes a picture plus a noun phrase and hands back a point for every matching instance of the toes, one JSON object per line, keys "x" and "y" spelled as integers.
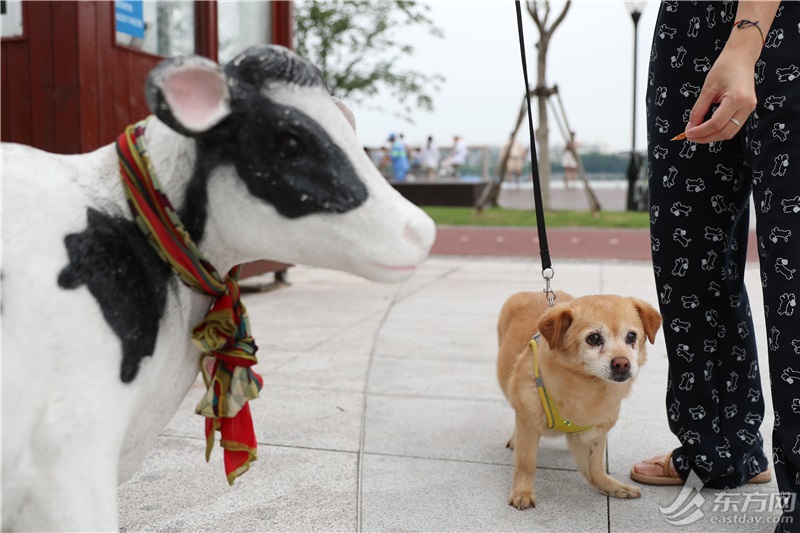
{"x": 648, "y": 469}
{"x": 625, "y": 492}
{"x": 521, "y": 500}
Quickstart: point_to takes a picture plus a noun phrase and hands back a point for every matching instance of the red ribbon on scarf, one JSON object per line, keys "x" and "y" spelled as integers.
{"x": 223, "y": 336}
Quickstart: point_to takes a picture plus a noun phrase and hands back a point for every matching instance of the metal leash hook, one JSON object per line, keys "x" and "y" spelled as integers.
{"x": 548, "y": 274}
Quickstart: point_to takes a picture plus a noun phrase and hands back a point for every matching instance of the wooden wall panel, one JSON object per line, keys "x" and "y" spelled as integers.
{"x": 20, "y": 123}
{"x": 65, "y": 77}
{"x": 283, "y": 23}
{"x": 121, "y": 89}
{"x": 141, "y": 67}
{"x": 105, "y": 73}
{"x": 41, "y": 82}
{"x": 5, "y": 102}
{"x": 88, "y": 105}
{"x": 206, "y": 35}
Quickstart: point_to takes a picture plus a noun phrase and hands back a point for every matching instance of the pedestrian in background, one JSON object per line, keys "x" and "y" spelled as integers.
{"x": 570, "y": 162}
{"x": 399, "y": 158}
{"x": 430, "y": 159}
{"x": 457, "y": 157}
{"x": 416, "y": 165}
{"x": 516, "y": 159}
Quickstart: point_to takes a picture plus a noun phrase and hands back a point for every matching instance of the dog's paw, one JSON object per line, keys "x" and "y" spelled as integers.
{"x": 625, "y": 492}
{"x": 521, "y": 499}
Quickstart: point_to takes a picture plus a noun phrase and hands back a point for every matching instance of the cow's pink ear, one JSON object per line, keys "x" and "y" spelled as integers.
{"x": 347, "y": 113}
{"x": 189, "y": 94}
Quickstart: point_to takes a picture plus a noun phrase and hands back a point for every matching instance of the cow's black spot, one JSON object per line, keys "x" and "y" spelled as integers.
{"x": 263, "y": 63}
{"x": 126, "y": 277}
{"x": 283, "y": 156}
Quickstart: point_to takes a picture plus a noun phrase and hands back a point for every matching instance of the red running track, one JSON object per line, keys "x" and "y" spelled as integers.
{"x": 572, "y": 243}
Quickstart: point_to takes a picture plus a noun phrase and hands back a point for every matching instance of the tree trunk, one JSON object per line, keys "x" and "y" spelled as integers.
{"x": 543, "y": 133}
{"x": 542, "y": 92}
{"x": 540, "y": 12}
{"x": 491, "y": 192}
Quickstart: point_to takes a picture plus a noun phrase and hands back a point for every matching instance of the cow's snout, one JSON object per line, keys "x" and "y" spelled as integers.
{"x": 420, "y": 232}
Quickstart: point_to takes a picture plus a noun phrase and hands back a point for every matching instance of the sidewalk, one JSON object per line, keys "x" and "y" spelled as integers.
{"x": 381, "y": 412}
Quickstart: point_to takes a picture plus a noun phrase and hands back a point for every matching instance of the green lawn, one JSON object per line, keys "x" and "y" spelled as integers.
{"x": 466, "y": 216}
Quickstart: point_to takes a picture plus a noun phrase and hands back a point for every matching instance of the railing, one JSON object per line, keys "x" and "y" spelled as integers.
{"x": 483, "y": 160}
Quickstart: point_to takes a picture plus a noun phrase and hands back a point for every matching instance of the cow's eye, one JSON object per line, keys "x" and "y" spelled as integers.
{"x": 289, "y": 146}
{"x": 595, "y": 339}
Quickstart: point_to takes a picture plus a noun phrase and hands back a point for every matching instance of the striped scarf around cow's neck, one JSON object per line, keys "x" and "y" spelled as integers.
{"x": 223, "y": 336}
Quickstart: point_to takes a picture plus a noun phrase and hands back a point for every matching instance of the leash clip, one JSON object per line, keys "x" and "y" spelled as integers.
{"x": 548, "y": 274}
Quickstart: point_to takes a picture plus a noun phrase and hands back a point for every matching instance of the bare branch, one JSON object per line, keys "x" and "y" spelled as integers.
{"x": 561, "y": 16}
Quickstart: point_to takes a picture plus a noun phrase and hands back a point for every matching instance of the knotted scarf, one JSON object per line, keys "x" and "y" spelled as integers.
{"x": 223, "y": 336}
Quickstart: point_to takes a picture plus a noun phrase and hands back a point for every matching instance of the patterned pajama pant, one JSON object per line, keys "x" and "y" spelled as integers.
{"x": 699, "y": 211}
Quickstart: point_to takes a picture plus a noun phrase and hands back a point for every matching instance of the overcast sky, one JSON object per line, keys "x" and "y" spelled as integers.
{"x": 590, "y": 59}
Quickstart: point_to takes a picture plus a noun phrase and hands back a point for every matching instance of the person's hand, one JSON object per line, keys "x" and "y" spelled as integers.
{"x": 731, "y": 84}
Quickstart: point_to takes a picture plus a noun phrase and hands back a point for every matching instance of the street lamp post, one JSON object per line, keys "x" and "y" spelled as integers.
{"x": 634, "y": 165}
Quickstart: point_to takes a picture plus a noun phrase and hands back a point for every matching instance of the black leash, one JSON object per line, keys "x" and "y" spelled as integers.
{"x": 544, "y": 251}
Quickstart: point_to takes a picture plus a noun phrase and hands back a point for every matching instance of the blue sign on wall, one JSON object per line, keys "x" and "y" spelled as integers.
{"x": 129, "y": 15}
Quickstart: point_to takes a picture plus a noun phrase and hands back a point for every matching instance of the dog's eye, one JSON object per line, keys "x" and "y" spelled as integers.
{"x": 630, "y": 338}
{"x": 594, "y": 339}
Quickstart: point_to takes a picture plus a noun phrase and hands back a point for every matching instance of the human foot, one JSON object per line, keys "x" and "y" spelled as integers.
{"x": 660, "y": 466}
{"x": 656, "y": 471}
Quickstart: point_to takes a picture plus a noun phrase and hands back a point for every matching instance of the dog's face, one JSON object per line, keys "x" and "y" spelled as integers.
{"x": 601, "y": 336}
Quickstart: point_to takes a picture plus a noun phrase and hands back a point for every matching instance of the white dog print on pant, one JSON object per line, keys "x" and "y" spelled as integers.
{"x": 782, "y": 267}
{"x": 677, "y": 59}
{"x": 781, "y": 164}
{"x": 773, "y": 101}
{"x": 787, "y": 305}
{"x": 780, "y": 132}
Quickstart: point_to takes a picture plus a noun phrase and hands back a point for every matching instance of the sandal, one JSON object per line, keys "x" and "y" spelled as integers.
{"x": 668, "y": 479}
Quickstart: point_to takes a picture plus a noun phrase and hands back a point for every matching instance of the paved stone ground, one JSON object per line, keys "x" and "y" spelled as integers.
{"x": 381, "y": 412}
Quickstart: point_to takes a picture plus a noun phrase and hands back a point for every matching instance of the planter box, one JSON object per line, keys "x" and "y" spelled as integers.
{"x": 447, "y": 194}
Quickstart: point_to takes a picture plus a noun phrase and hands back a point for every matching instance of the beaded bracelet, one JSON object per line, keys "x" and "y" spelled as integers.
{"x": 744, "y": 23}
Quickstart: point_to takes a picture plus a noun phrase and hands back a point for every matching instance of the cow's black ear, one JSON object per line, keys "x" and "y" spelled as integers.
{"x": 189, "y": 94}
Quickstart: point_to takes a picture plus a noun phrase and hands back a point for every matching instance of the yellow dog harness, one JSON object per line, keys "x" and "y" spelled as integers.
{"x": 554, "y": 419}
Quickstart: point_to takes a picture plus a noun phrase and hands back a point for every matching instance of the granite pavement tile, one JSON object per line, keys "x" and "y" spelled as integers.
{"x": 411, "y": 494}
{"x": 287, "y": 489}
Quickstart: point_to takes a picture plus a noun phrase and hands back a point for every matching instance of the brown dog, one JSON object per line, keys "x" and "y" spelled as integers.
{"x": 589, "y": 352}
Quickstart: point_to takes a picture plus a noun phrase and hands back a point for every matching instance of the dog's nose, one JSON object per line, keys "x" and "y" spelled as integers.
{"x": 620, "y": 364}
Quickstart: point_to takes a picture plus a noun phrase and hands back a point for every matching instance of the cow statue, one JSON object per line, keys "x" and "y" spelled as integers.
{"x": 259, "y": 161}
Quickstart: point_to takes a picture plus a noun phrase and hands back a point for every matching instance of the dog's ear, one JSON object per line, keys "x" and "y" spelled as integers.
{"x": 554, "y": 325}
{"x": 651, "y": 319}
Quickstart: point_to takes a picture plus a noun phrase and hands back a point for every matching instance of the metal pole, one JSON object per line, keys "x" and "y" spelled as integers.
{"x": 634, "y": 164}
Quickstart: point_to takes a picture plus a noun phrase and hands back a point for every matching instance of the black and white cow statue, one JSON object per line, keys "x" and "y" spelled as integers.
{"x": 260, "y": 162}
